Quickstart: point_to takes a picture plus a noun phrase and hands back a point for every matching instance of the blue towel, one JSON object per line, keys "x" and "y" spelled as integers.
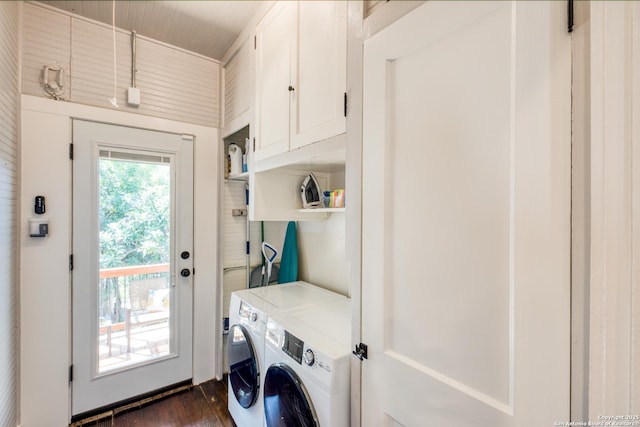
{"x": 289, "y": 258}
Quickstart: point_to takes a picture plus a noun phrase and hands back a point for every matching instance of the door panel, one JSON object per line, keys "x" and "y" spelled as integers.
{"x": 320, "y": 76}
{"x": 132, "y": 218}
{"x": 466, "y": 198}
{"x": 275, "y": 38}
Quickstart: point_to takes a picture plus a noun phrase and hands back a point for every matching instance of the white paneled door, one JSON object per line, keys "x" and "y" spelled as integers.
{"x": 132, "y": 262}
{"x": 466, "y": 221}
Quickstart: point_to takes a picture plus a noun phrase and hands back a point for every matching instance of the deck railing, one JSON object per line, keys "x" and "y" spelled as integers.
{"x": 116, "y": 289}
{"x": 126, "y": 302}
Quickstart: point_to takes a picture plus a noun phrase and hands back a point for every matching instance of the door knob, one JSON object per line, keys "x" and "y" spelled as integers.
{"x": 185, "y": 272}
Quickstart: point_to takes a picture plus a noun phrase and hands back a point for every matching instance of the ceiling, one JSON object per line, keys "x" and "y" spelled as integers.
{"x": 205, "y": 27}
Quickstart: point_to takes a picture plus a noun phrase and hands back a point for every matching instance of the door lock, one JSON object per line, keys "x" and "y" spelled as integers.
{"x": 185, "y": 272}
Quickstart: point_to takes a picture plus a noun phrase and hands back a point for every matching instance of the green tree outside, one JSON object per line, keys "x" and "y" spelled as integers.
{"x": 135, "y": 226}
{"x": 134, "y": 213}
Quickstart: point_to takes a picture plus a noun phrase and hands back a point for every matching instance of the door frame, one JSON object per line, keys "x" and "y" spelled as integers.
{"x": 46, "y": 134}
{"x": 605, "y": 287}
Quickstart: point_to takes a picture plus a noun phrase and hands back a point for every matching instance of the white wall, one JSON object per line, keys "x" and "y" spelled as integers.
{"x": 45, "y": 279}
{"x": 10, "y": 14}
{"x": 322, "y": 253}
{"x": 174, "y": 84}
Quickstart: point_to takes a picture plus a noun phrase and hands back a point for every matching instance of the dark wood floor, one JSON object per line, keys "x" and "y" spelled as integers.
{"x": 204, "y": 405}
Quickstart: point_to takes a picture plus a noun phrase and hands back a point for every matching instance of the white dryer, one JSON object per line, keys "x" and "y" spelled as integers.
{"x": 307, "y": 353}
{"x": 248, "y": 311}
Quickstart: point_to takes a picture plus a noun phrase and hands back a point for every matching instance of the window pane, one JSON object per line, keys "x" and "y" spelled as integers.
{"x": 134, "y": 296}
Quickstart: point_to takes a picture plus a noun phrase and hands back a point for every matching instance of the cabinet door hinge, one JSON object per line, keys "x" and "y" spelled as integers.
{"x": 70, "y": 373}
{"x": 361, "y": 351}
{"x": 253, "y": 146}
{"x": 70, "y": 151}
{"x": 71, "y": 262}
{"x": 345, "y": 104}
{"x": 255, "y": 42}
{"x": 570, "y": 16}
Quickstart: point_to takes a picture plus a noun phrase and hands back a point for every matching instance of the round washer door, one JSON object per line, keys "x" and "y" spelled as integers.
{"x": 244, "y": 374}
{"x": 286, "y": 401}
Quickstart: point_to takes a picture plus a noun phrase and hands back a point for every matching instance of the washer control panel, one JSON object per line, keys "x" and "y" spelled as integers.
{"x": 251, "y": 317}
{"x": 293, "y": 346}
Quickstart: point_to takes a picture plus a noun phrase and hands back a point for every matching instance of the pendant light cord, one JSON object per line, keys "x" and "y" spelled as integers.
{"x": 114, "y": 100}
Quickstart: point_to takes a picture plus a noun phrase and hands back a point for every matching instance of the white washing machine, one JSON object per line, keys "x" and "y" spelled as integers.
{"x": 308, "y": 355}
{"x": 248, "y": 311}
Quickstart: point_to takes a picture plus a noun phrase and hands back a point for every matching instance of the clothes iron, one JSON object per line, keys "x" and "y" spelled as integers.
{"x": 310, "y": 192}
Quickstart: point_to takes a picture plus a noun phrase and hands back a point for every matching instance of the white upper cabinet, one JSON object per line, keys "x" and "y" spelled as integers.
{"x": 275, "y": 36}
{"x": 318, "y": 102}
{"x": 300, "y": 75}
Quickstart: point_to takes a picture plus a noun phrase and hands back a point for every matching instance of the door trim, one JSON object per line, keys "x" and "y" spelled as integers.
{"x": 49, "y": 120}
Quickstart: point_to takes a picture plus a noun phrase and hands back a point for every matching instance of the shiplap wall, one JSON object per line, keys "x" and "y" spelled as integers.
{"x": 234, "y": 236}
{"x": 174, "y": 84}
{"x": 9, "y": 55}
{"x": 237, "y": 84}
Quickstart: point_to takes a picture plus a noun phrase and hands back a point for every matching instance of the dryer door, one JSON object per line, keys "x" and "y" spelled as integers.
{"x": 286, "y": 401}
{"x": 244, "y": 374}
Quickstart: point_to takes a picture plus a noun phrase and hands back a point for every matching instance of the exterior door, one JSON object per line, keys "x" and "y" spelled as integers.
{"x": 132, "y": 262}
{"x": 466, "y": 217}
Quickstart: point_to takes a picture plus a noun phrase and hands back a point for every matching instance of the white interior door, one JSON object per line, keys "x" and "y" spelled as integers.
{"x": 132, "y": 262}
{"x": 466, "y": 217}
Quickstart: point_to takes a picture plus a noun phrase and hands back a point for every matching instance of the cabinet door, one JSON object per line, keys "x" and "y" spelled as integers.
{"x": 320, "y": 72}
{"x": 238, "y": 87}
{"x": 275, "y": 36}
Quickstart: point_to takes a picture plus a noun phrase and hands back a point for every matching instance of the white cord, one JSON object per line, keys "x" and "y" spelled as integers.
{"x": 113, "y": 100}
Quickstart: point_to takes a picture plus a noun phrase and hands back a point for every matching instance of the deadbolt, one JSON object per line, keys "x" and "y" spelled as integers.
{"x": 184, "y": 255}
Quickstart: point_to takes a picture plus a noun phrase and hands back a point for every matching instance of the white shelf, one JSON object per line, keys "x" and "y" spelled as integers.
{"x": 321, "y": 210}
{"x": 323, "y": 156}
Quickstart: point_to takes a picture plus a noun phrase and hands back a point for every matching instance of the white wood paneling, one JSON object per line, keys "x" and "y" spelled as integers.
{"x": 9, "y": 75}
{"x": 174, "y": 84}
{"x": 205, "y": 27}
{"x": 46, "y": 41}
{"x": 178, "y": 85}
{"x": 92, "y": 64}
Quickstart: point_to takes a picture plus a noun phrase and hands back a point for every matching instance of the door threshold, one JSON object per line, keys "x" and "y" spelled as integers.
{"x": 128, "y": 404}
